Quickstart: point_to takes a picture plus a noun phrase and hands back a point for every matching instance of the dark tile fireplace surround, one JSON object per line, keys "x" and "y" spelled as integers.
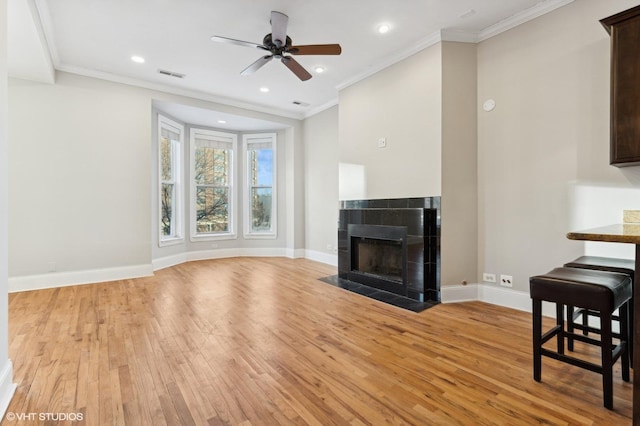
{"x": 392, "y": 245}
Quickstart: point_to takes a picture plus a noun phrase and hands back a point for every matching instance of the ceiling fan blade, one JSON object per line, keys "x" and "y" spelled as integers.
{"x": 279, "y": 28}
{"x": 315, "y": 49}
{"x": 237, "y": 42}
{"x": 296, "y": 68}
{"x": 256, "y": 65}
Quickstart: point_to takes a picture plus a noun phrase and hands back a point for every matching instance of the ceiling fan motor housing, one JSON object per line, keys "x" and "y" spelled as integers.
{"x": 268, "y": 43}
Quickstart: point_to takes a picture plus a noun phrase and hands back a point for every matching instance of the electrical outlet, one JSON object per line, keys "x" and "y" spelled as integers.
{"x": 506, "y": 280}
{"x": 489, "y": 278}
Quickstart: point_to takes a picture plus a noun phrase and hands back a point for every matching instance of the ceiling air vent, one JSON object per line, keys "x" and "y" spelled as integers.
{"x": 171, "y": 74}
{"x": 300, "y": 103}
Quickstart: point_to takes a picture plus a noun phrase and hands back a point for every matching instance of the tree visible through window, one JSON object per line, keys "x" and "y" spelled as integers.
{"x": 212, "y": 177}
{"x": 169, "y": 149}
{"x": 212, "y": 189}
{"x": 261, "y": 174}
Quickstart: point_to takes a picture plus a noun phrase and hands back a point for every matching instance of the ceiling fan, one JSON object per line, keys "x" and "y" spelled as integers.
{"x": 278, "y": 43}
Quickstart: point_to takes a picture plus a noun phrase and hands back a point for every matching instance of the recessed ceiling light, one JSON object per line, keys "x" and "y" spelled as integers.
{"x": 222, "y": 121}
{"x": 264, "y": 89}
{"x": 383, "y": 28}
{"x": 137, "y": 59}
{"x": 319, "y": 70}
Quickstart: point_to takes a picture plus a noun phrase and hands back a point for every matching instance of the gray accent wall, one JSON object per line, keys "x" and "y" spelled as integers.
{"x": 425, "y": 108}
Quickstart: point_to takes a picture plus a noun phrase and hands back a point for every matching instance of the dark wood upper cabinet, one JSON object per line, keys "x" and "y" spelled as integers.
{"x": 624, "y": 28}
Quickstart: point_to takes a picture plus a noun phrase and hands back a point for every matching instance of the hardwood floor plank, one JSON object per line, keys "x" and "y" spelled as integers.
{"x": 255, "y": 341}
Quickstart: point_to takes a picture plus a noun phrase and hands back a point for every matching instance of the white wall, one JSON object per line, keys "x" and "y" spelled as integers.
{"x": 81, "y": 182}
{"x": 321, "y": 185}
{"x": 544, "y": 150}
{"x": 7, "y": 387}
{"x": 402, "y": 103}
{"x": 79, "y": 172}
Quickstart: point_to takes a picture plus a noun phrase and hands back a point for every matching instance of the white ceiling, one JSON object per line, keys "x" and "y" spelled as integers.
{"x": 98, "y": 37}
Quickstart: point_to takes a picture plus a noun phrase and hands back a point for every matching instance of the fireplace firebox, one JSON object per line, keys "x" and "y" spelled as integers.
{"x": 378, "y": 256}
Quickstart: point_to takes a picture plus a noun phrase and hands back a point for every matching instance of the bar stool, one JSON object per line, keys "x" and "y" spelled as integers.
{"x": 598, "y": 291}
{"x": 610, "y": 264}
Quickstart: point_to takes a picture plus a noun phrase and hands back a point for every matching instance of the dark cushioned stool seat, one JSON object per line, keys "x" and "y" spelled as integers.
{"x": 599, "y": 291}
{"x": 610, "y": 264}
{"x": 598, "y": 263}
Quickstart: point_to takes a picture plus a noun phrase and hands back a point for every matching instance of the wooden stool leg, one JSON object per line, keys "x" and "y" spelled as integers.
{"x": 570, "y": 328}
{"x": 537, "y": 339}
{"x": 630, "y": 328}
{"x": 624, "y": 334}
{"x": 560, "y": 324}
{"x": 607, "y": 365}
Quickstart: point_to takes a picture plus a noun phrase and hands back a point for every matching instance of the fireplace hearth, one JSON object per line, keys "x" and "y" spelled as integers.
{"x": 392, "y": 245}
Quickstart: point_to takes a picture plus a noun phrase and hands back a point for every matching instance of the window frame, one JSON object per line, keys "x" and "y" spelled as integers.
{"x": 247, "y": 141}
{"x": 177, "y": 181}
{"x": 232, "y": 140}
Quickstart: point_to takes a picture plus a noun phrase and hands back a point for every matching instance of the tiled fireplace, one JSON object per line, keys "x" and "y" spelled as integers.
{"x": 392, "y": 245}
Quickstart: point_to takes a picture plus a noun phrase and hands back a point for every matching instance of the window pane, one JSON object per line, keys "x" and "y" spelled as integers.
{"x": 167, "y": 196}
{"x": 262, "y": 167}
{"x": 261, "y": 209}
{"x": 212, "y": 209}
{"x": 165, "y": 158}
{"x": 212, "y": 166}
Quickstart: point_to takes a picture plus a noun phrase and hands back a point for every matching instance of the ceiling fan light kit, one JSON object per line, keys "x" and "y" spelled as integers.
{"x": 280, "y": 46}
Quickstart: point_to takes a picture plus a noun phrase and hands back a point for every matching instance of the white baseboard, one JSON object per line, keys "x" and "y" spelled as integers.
{"x": 318, "y": 256}
{"x": 64, "y": 279}
{"x": 168, "y": 261}
{"x": 7, "y": 387}
{"x": 295, "y": 253}
{"x": 450, "y": 294}
{"x": 494, "y": 295}
{"x": 459, "y": 293}
{"x": 504, "y": 297}
{"x": 236, "y": 252}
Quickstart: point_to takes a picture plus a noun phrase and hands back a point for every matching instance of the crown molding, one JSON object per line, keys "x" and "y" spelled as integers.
{"x": 428, "y": 41}
{"x": 44, "y": 24}
{"x": 316, "y": 110}
{"x": 460, "y": 36}
{"x": 527, "y": 15}
{"x": 454, "y": 35}
{"x": 165, "y": 88}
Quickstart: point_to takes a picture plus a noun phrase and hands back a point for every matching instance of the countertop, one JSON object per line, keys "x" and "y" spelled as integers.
{"x": 618, "y": 233}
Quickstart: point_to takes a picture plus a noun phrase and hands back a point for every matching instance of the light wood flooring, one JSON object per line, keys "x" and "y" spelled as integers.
{"x": 260, "y": 341}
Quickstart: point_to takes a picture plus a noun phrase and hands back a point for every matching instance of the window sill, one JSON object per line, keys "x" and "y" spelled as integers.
{"x": 170, "y": 242}
{"x": 262, "y": 236}
{"x": 213, "y": 237}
